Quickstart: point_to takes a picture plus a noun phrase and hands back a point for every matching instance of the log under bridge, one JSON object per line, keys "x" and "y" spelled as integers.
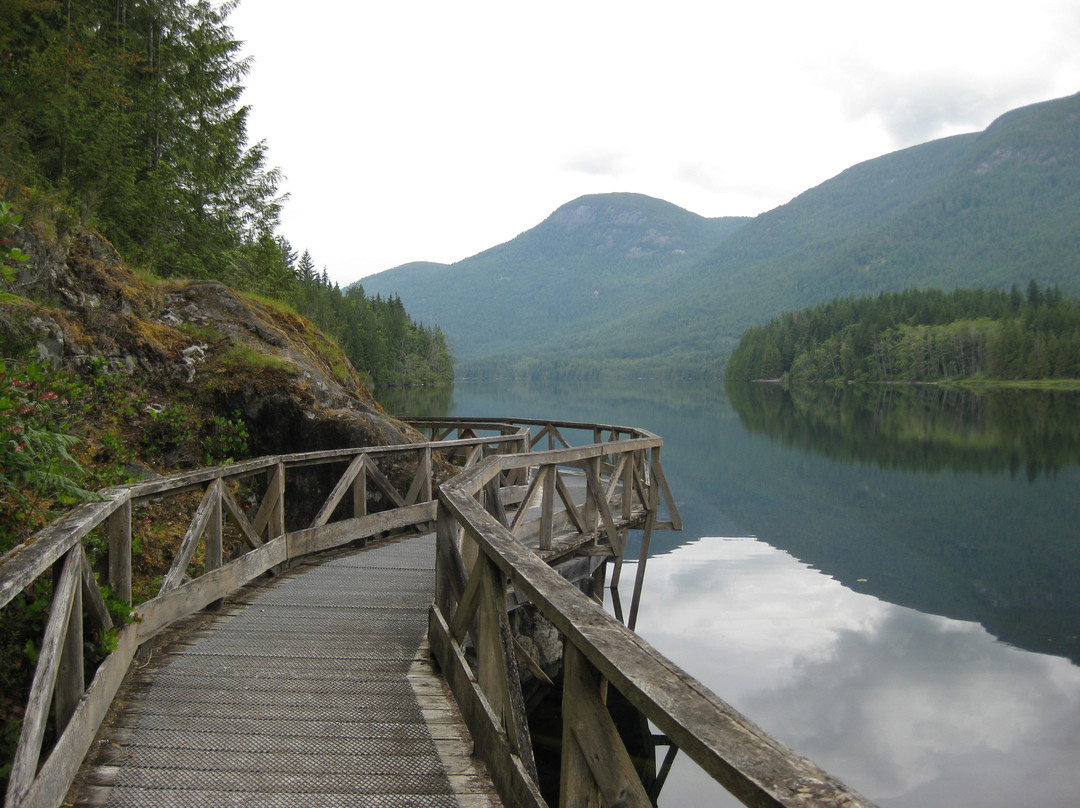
{"x": 389, "y": 645}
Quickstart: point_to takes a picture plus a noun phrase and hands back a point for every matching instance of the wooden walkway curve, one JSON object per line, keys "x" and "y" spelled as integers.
{"x": 316, "y": 690}
{"x": 277, "y": 699}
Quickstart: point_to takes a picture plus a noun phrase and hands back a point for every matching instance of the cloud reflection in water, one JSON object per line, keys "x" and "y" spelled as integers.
{"x": 909, "y": 708}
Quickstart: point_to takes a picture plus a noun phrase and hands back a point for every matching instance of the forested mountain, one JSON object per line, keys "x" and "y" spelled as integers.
{"x": 918, "y": 335}
{"x": 125, "y": 118}
{"x": 987, "y": 209}
{"x": 588, "y": 261}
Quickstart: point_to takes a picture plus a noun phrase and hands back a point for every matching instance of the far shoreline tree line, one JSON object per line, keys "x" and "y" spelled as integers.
{"x": 919, "y": 336}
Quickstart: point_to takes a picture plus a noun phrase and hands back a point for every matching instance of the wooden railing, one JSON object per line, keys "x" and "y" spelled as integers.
{"x": 512, "y": 512}
{"x": 483, "y": 567}
{"x": 239, "y": 541}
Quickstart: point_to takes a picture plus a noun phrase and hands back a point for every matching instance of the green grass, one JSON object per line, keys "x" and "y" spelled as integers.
{"x": 243, "y": 356}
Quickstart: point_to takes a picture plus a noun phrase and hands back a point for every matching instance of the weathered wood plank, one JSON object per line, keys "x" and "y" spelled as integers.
{"x": 665, "y": 491}
{"x": 120, "y": 549}
{"x": 317, "y": 539}
{"x": 58, "y": 771}
{"x": 511, "y": 779}
{"x": 191, "y": 538}
{"x": 382, "y": 482}
{"x": 28, "y": 750}
{"x": 547, "y": 474}
{"x": 236, "y": 513}
{"x": 755, "y": 767}
{"x": 92, "y": 599}
{"x": 336, "y": 495}
{"x": 165, "y": 609}
{"x": 420, "y": 489}
{"x": 24, "y": 563}
{"x": 178, "y": 483}
{"x": 497, "y": 670}
{"x": 70, "y": 676}
{"x": 270, "y": 515}
{"x": 597, "y": 738}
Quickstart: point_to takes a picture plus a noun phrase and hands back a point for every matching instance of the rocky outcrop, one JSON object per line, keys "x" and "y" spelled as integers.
{"x": 195, "y": 344}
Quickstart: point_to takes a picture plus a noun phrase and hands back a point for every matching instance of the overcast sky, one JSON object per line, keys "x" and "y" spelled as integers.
{"x": 411, "y": 130}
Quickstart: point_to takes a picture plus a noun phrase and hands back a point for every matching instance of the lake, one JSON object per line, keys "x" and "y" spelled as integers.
{"x": 887, "y": 579}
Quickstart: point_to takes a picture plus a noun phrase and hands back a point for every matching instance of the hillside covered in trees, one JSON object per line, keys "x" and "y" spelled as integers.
{"x": 125, "y": 118}
{"x": 982, "y": 210}
{"x": 919, "y": 335}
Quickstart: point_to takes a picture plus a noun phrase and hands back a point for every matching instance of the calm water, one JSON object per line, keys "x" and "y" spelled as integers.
{"x": 888, "y": 580}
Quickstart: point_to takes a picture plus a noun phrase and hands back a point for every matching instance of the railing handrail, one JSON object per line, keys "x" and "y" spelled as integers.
{"x": 624, "y": 488}
{"x": 81, "y": 708}
{"x": 753, "y": 766}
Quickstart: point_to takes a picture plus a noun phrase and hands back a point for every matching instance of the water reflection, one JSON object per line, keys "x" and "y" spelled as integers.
{"x": 883, "y": 668}
{"x": 909, "y": 708}
{"x": 919, "y": 428}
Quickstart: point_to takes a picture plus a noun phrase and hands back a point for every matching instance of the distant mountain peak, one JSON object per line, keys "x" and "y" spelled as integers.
{"x": 668, "y": 288}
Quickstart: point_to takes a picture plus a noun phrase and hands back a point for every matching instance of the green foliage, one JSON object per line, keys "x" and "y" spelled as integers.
{"x": 377, "y": 335}
{"x": 225, "y": 439}
{"x": 171, "y": 429}
{"x": 131, "y": 118}
{"x": 10, "y": 255}
{"x": 132, "y": 115}
{"x": 918, "y": 335}
{"x": 37, "y": 470}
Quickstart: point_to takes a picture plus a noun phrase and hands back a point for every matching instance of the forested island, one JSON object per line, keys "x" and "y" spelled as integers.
{"x": 125, "y": 119}
{"x": 919, "y": 336}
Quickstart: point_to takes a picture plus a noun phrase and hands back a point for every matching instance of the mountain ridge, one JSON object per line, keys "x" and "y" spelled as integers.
{"x": 987, "y": 208}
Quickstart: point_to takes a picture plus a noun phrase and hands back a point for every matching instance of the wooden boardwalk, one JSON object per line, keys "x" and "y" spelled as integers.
{"x": 312, "y": 689}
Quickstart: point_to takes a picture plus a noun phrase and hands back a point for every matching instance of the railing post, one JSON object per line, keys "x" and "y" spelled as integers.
{"x": 547, "y": 506}
{"x": 120, "y": 550}
{"x": 212, "y": 536}
{"x": 359, "y": 492}
{"x": 276, "y": 524}
{"x": 447, "y": 584}
{"x": 496, "y": 664}
{"x": 596, "y": 768}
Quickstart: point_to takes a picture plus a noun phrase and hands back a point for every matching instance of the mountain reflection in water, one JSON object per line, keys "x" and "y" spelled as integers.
{"x": 910, "y": 708}
{"x": 916, "y": 563}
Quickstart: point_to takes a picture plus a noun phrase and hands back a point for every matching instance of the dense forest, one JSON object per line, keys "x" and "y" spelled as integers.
{"x": 126, "y": 118}
{"x": 919, "y": 335}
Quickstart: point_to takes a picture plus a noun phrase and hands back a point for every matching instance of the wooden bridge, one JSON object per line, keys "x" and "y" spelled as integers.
{"x": 289, "y": 655}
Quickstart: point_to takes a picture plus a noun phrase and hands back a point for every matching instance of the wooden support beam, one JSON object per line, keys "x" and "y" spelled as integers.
{"x": 71, "y": 675}
{"x": 643, "y": 557}
{"x": 236, "y": 513}
{"x": 343, "y": 484}
{"x": 600, "y": 501}
{"x": 593, "y": 752}
{"x": 382, "y": 482}
{"x": 28, "y": 751}
{"x": 468, "y": 604}
{"x": 665, "y": 490}
{"x": 359, "y": 493}
{"x": 92, "y": 599}
{"x": 420, "y": 490}
{"x": 199, "y": 521}
{"x": 526, "y": 503}
{"x": 496, "y": 665}
{"x": 271, "y": 514}
{"x": 213, "y": 533}
{"x": 493, "y": 502}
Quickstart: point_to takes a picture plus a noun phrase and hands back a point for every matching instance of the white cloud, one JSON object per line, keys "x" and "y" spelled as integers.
{"x": 430, "y": 131}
